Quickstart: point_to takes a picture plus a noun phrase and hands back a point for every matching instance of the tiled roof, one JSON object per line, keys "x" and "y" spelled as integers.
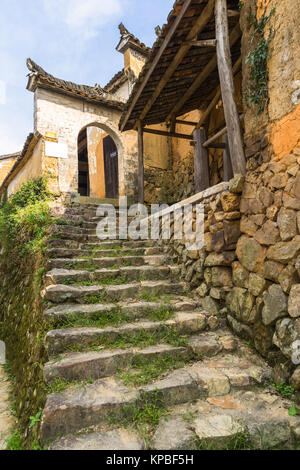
{"x": 116, "y": 82}
{"x": 96, "y": 94}
{"x": 10, "y": 155}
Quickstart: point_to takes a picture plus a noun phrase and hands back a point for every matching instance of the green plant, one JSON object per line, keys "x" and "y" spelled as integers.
{"x": 35, "y": 419}
{"x": 60, "y": 384}
{"x": 257, "y": 58}
{"x": 145, "y": 370}
{"x": 164, "y": 313}
{"x": 113, "y": 317}
{"x": 148, "y": 410}
{"x": 294, "y": 410}
{"x": 25, "y": 217}
{"x": 285, "y": 390}
{"x": 14, "y": 442}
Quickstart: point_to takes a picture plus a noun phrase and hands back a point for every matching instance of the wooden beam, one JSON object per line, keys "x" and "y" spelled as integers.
{"x": 201, "y": 166}
{"x": 204, "y": 43}
{"x": 216, "y": 145}
{"x": 162, "y": 48}
{"x": 217, "y": 96}
{"x": 228, "y": 91}
{"x": 208, "y": 69}
{"x": 232, "y": 13}
{"x": 227, "y": 166}
{"x": 186, "y": 123}
{"x": 141, "y": 164}
{"x": 167, "y": 134}
{"x": 183, "y": 50}
{"x": 215, "y": 137}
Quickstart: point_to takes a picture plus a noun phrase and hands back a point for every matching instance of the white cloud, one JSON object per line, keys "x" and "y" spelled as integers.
{"x": 84, "y": 17}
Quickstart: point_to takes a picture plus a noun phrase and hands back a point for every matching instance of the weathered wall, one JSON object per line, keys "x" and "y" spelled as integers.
{"x": 6, "y": 165}
{"x": 263, "y": 305}
{"x": 31, "y": 169}
{"x": 66, "y": 117}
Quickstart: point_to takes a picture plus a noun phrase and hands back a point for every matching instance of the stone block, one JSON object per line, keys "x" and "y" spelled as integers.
{"x": 275, "y": 305}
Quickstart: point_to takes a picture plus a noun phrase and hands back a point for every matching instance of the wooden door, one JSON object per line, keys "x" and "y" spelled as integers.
{"x": 111, "y": 167}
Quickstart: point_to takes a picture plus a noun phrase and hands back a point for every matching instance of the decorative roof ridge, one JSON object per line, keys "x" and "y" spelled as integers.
{"x": 126, "y": 35}
{"x": 38, "y": 76}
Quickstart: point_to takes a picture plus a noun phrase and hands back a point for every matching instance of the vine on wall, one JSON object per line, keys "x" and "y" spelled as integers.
{"x": 257, "y": 92}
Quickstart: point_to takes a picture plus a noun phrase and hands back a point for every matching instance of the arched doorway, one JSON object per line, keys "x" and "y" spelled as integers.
{"x": 98, "y": 163}
{"x": 83, "y": 165}
{"x": 111, "y": 167}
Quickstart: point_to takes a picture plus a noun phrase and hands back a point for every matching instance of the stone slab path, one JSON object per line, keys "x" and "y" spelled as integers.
{"x": 6, "y": 418}
{"x": 136, "y": 363}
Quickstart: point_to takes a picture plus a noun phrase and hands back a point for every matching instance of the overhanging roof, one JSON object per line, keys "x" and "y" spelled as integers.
{"x": 38, "y": 77}
{"x": 182, "y": 20}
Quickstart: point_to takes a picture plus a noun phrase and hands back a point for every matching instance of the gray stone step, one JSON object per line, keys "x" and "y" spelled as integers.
{"x": 251, "y": 420}
{"x": 61, "y": 340}
{"x": 134, "y": 310}
{"x": 88, "y": 294}
{"x": 119, "y": 243}
{"x": 66, "y": 252}
{"x": 131, "y": 273}
{"x": 117, "y": 439}
{"x": 94, "y": 238}
{"x": 104, "y": 363}
{"x": 81, "y": 263}
{"x": 80, "y": 407}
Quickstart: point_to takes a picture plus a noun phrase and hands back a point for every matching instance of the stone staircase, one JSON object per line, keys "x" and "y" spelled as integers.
{"x": 135, "y": 363}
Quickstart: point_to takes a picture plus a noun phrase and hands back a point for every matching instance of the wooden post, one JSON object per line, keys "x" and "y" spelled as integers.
{"x": 227, "y": 166}
{"x": 228, "y": 92}
{"x": 141, "y": 164}
{"x": 170, "y": 143}
{"x": 201, "y": 166}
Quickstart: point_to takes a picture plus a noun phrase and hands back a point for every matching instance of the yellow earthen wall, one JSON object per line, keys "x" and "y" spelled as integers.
{"x": 5, "y": 167}
{"x": 31, "y": 169}
{"x": 282, "y": 118}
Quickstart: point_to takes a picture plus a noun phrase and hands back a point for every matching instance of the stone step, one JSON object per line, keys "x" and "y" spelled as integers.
{"x": 65, "y": 252}
{"x": 117, "y": 439}
{"x": 96, "y": 263}
{"x": 62, "y": 340}
{"x": 81, "y": 407}
{"x": 86, "y": 294}
{"x": 104, "y": 363}
{"x": 134, "y": 310}
{"x": 242, "y": 420}
{"x": 96, "y": 201}
{"x": 95, "y": 238}
{"x": 109, "y": 244}
{"x": 92, "y": 223}
{"x": 132, "y": 273}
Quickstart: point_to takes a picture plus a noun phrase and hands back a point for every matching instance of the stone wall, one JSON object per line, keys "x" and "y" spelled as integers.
{"x": 208, "y": 272}
{"x": 264, "y": 304}
{"x": 247, "y": 274}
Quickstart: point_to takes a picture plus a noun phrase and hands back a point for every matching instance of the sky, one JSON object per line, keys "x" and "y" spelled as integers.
{"x": 72, "y": 39}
